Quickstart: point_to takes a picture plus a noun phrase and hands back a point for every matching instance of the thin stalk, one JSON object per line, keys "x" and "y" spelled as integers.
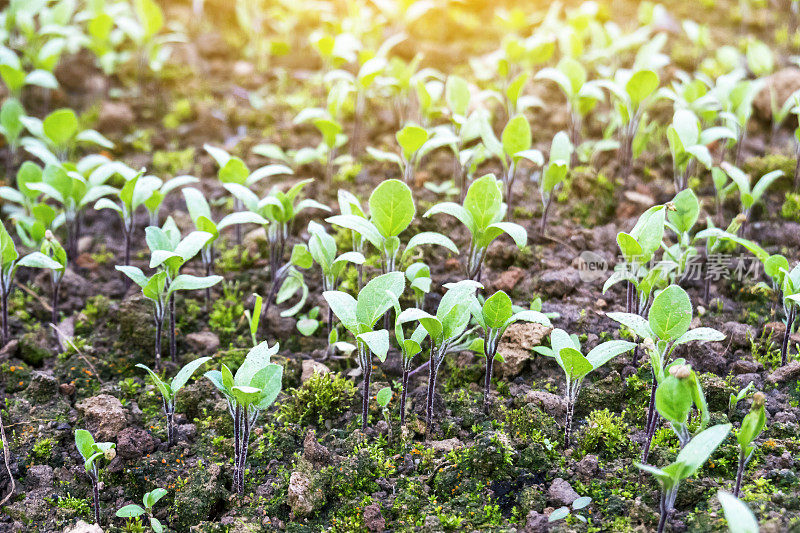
{"x": 237, "y": 427}
{"x": 54, "y": 315}
{"x": 651, "y": 416}
{"x": 432, "y": 371}
{"x": 543, "y": 223}
{"x": 173, "y": 348}
{"x": 403, "y": 395}
{"x": 6, "y": 335}
{"x": 786, "y": 335}
{"x": 365, "y": 391}
{"x": 95, "y": 495}
{"x": 243, "y": 448}
{"x": 487, "y": 383}
{"x": 740, "y": 473}
{"x": 159, "y": 332}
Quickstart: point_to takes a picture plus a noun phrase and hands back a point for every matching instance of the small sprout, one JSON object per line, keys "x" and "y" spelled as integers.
{"x": 554, "y": 173}
{"x": 383, "y": 398}
{"x": 689, "y": 461}
{"x": 56, "y": 137}
{"x": 676, "y": 395}
{"x": 169, "y": 389}
{"x": 254, "y": 317}
{"x": 253, "y": 388}
{"x": 752, "y": 426}
{"x": 563, "y": 512}
{"x": 92, "y": 452}
{"x": 566, "y": 350}
{"x": 136, "y": 511}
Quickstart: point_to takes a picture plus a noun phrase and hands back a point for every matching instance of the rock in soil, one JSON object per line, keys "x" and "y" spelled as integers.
{"x": 561, "y": 492}
{"x": 311, "y": 367}
{"x": 515, "y": 347}
{"x": 785, "y": 373}
{"x": 105, "y": 416}
{"x": 303, "y": 499}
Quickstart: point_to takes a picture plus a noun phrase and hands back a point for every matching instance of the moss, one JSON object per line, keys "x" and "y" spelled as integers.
{"x": 606, "y": 434}
{"x": 758, "y": 166}
{"x": 33, "y": 346}
{"x": 226, "y": 313}
{"x": 323, "y": 397}
{"x": 42, "y": 450}
{"x": 790, "y": 210}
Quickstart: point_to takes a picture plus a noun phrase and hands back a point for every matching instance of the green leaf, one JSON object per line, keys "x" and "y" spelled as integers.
{"x": 602, "y": 353}
{"x": 457, "y": 95}
{"x": 740, "y": 518}
{"x": 384, "y": 396}
{"x": 700, "y": 334}
{"x": 497, "y": 310}
{"x": 483, "y": 202}
{"x": 558, "y": 514}
{"x": 360, "y": 225}
{"x": 697, "y": 452}
{"x": 377, "y": 341}
{"x": 373, "y": 302}
{"x": 429, "y": 237}
{"x": 166, "y": 391}
{"x": 516, "y": 136}
{"x": 60, "y": 126}
{"x": 39, "y": 260}
{"x": 84, "y": 442}
{"x": 640, "y": 85}
{"x": 130, "y": 511}
{"x": 575, "y": 365}
{"x": 687, "y": 209}
{"x": 344, "y": 307}
{"x": 150, "y": 16}
{"x": 671, "y": 313}
{"x": 391, "y": 207}
{"x": 185, "y": 373}
{"x": 187, "y": 282}
{"x": 271, "y": 380}
{"x": 411, "y": 138}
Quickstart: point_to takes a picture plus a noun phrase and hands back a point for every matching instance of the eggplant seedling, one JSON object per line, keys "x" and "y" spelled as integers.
{"x": 57, "y": 135}
{"x": 149, "y": 500}
{"x": 253, "y": 388}
{"x": 16, "y": 77}
{"x": 92, "y": 452}
{"x": 419, "y": 279}
{"x": 52, "y": 249}
{"x": 750, "y": 195}
{"x": 169, "y": 389}
{"x": 482, "y": 213}
{"x": 688, "y": 145}
{"x": 689, "y": 461}
{"x": 554, "y": 173}
{"x": 392, "y": 210}
{"x": 566, "y": 350}
{"x": 8, "y": 268}
{"x": 494, "y": 317}
{"x": 153, "y": 203}
{"x": 323, "y": 249}
{"x": 666, "y": 327}
{"x": 383, "y": 398}
{"x": 752, "y": 426}
{"x": 411, "y": 139}
{"x": 409, "y": 347}
{"x": 359, "y": 316}
{"x": 676, "y": 395}
{"x": 200, "y": 212}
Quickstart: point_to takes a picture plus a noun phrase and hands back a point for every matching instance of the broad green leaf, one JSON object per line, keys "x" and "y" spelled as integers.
{"x": 640, "y": 85}
{"x": 373, "y": 302}
{"x": 185, "y": 373}
{"x": 130, "y": 511}
{"x": 516, "y": 136}
{"x": 84, "y": 442}
{"x": 740, "y": 518}
{"x": 636, "y": 323}
{"x": 700, "y": 334}
{"x": 671, "y": 313}
{"x": 187, "y": 282}
{"x": 497, "y": 310}
{"x": 483, "y": 202}
{"x": 457, "y": 95}
{"x": 344, "y": 307}
{"x": 575, "y": 365}
{"x": 602, "y": 353}
{"x": 39, "y": 260}
{"x": 384, "y": 396}
{"x": 429, "y": 237}
{"x": 411, "y": 138}
{"x": 687, "y": 209}
{"x": 166, "y": 391}
{"x": 60, "y": 126}
{"x": 377, "y": 341}
{"x": 697, "y": 452}
{"x": 391, "y": 207}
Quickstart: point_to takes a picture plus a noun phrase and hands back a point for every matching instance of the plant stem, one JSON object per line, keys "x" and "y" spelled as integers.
{"x": 786, "y": 335}
{"x": 4, "y": 299}
{"x": 432, "y": 371}
{"x": 487, "y": 383}
{"x": 173, "y": 349}
{"x": 403, "y": 395}
{"x": 159, "y": 332}
{"x": 739, "y": 473}
{"x": 365, "y": 400}
{"x": 237, "y": 428}
{"x": 651, "y": 416}
{"x": 95, "y": 496}
{"x": 54, "y": 316}
{"x": 543, "y": 222}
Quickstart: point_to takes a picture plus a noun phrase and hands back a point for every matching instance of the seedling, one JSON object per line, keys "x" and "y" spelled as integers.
{"x": 666, "y": 327}
{"x": 752, "y": 426}
{"x": 349, "y": 205}
{"x": 153, "y": 203}
{"x": 168, "y": 253}
{"x": 92, "y": 452}
{"x": 149, "y": 500}
{"x": 447, "y": 331}
{"x": 676, "y": 395}
{"x": 494, "y": 317}
{"x": 16, "y": 78}
{"x": 383, "y": 398}
{"x": 734, "y": 399}
{"x": 391, "y": 207}
{"x": 409, "y": 347}
{"x": 169, "y": 389}
{"x": 563, "y": 512}
{"x": 359, "y": 315}
{"x": 750, "y": 196}
{"x": 419, "y": 279}
{"x": 554, "y": 173}
{"x": 52, "y": 249}
{"x": 203, "y": 220}
{"x": 137, "y": 189}
{"x": 633, "y": 93}
{"x": 567, "y": 352}
{"x": 8, "y": 268}
{"x": 482, "y": 213}
{"x": 11, "y": 126}
{"x": 253, "y": 388}
{"x": 411, "y": 139}
{"x": 254, "y": 317}
{"x": 687, "y": 143}
{"x": 323, "y": 249}
{"x": 57, "y": 135}
{"x": 689, "y": 461}
{"x": 514, "y": 146}
{"x": 159, "y": 288}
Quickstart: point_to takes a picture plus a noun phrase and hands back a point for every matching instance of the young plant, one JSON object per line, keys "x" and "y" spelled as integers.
{"x": 137, "y": 189}
{"x": 92, "y": 452}
{"x": 323, "y": 249}
{"x": 689, "y": 461}
{"x": 633, "y": 93}
{"x": 57, "y": 136}
{"x": 513, "y": 147}
{"x": 359, "y": 316}
{"x": 411, "y": 139}
{"x": 153, "y": 203}
{"x": 8, "y": 268}
{"x": 253, "y": 388}
{"x": 52, "y": 249}
{"x": 666, "y": 327}
{"x": 149, "y": 500}
{"x": 749, "y": 195}
{"x": 16, "y": 77}
{"x": 752, "y": 426}
{"x": 447, "y": 331}
{"x": 200, "y": 212}
{"x": 494, "y": 317}
{"x": 168, "y": 253}
{"x": 554, "y": 173}
{"x": 169, "y": 389}
{"x": 383, "y": 398}
{"x": 254, "y": 317}
{"x": 409, "y": 347}
{"x": 392, "y": 210}
{"x": 567, "y": 352}
{"x": 482, "y": 212}
{"x": 563, "y": 512}
{"x": 677, "y": 394}
{"x": 419, "y": 279}
{"x": 11, "y": 127}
